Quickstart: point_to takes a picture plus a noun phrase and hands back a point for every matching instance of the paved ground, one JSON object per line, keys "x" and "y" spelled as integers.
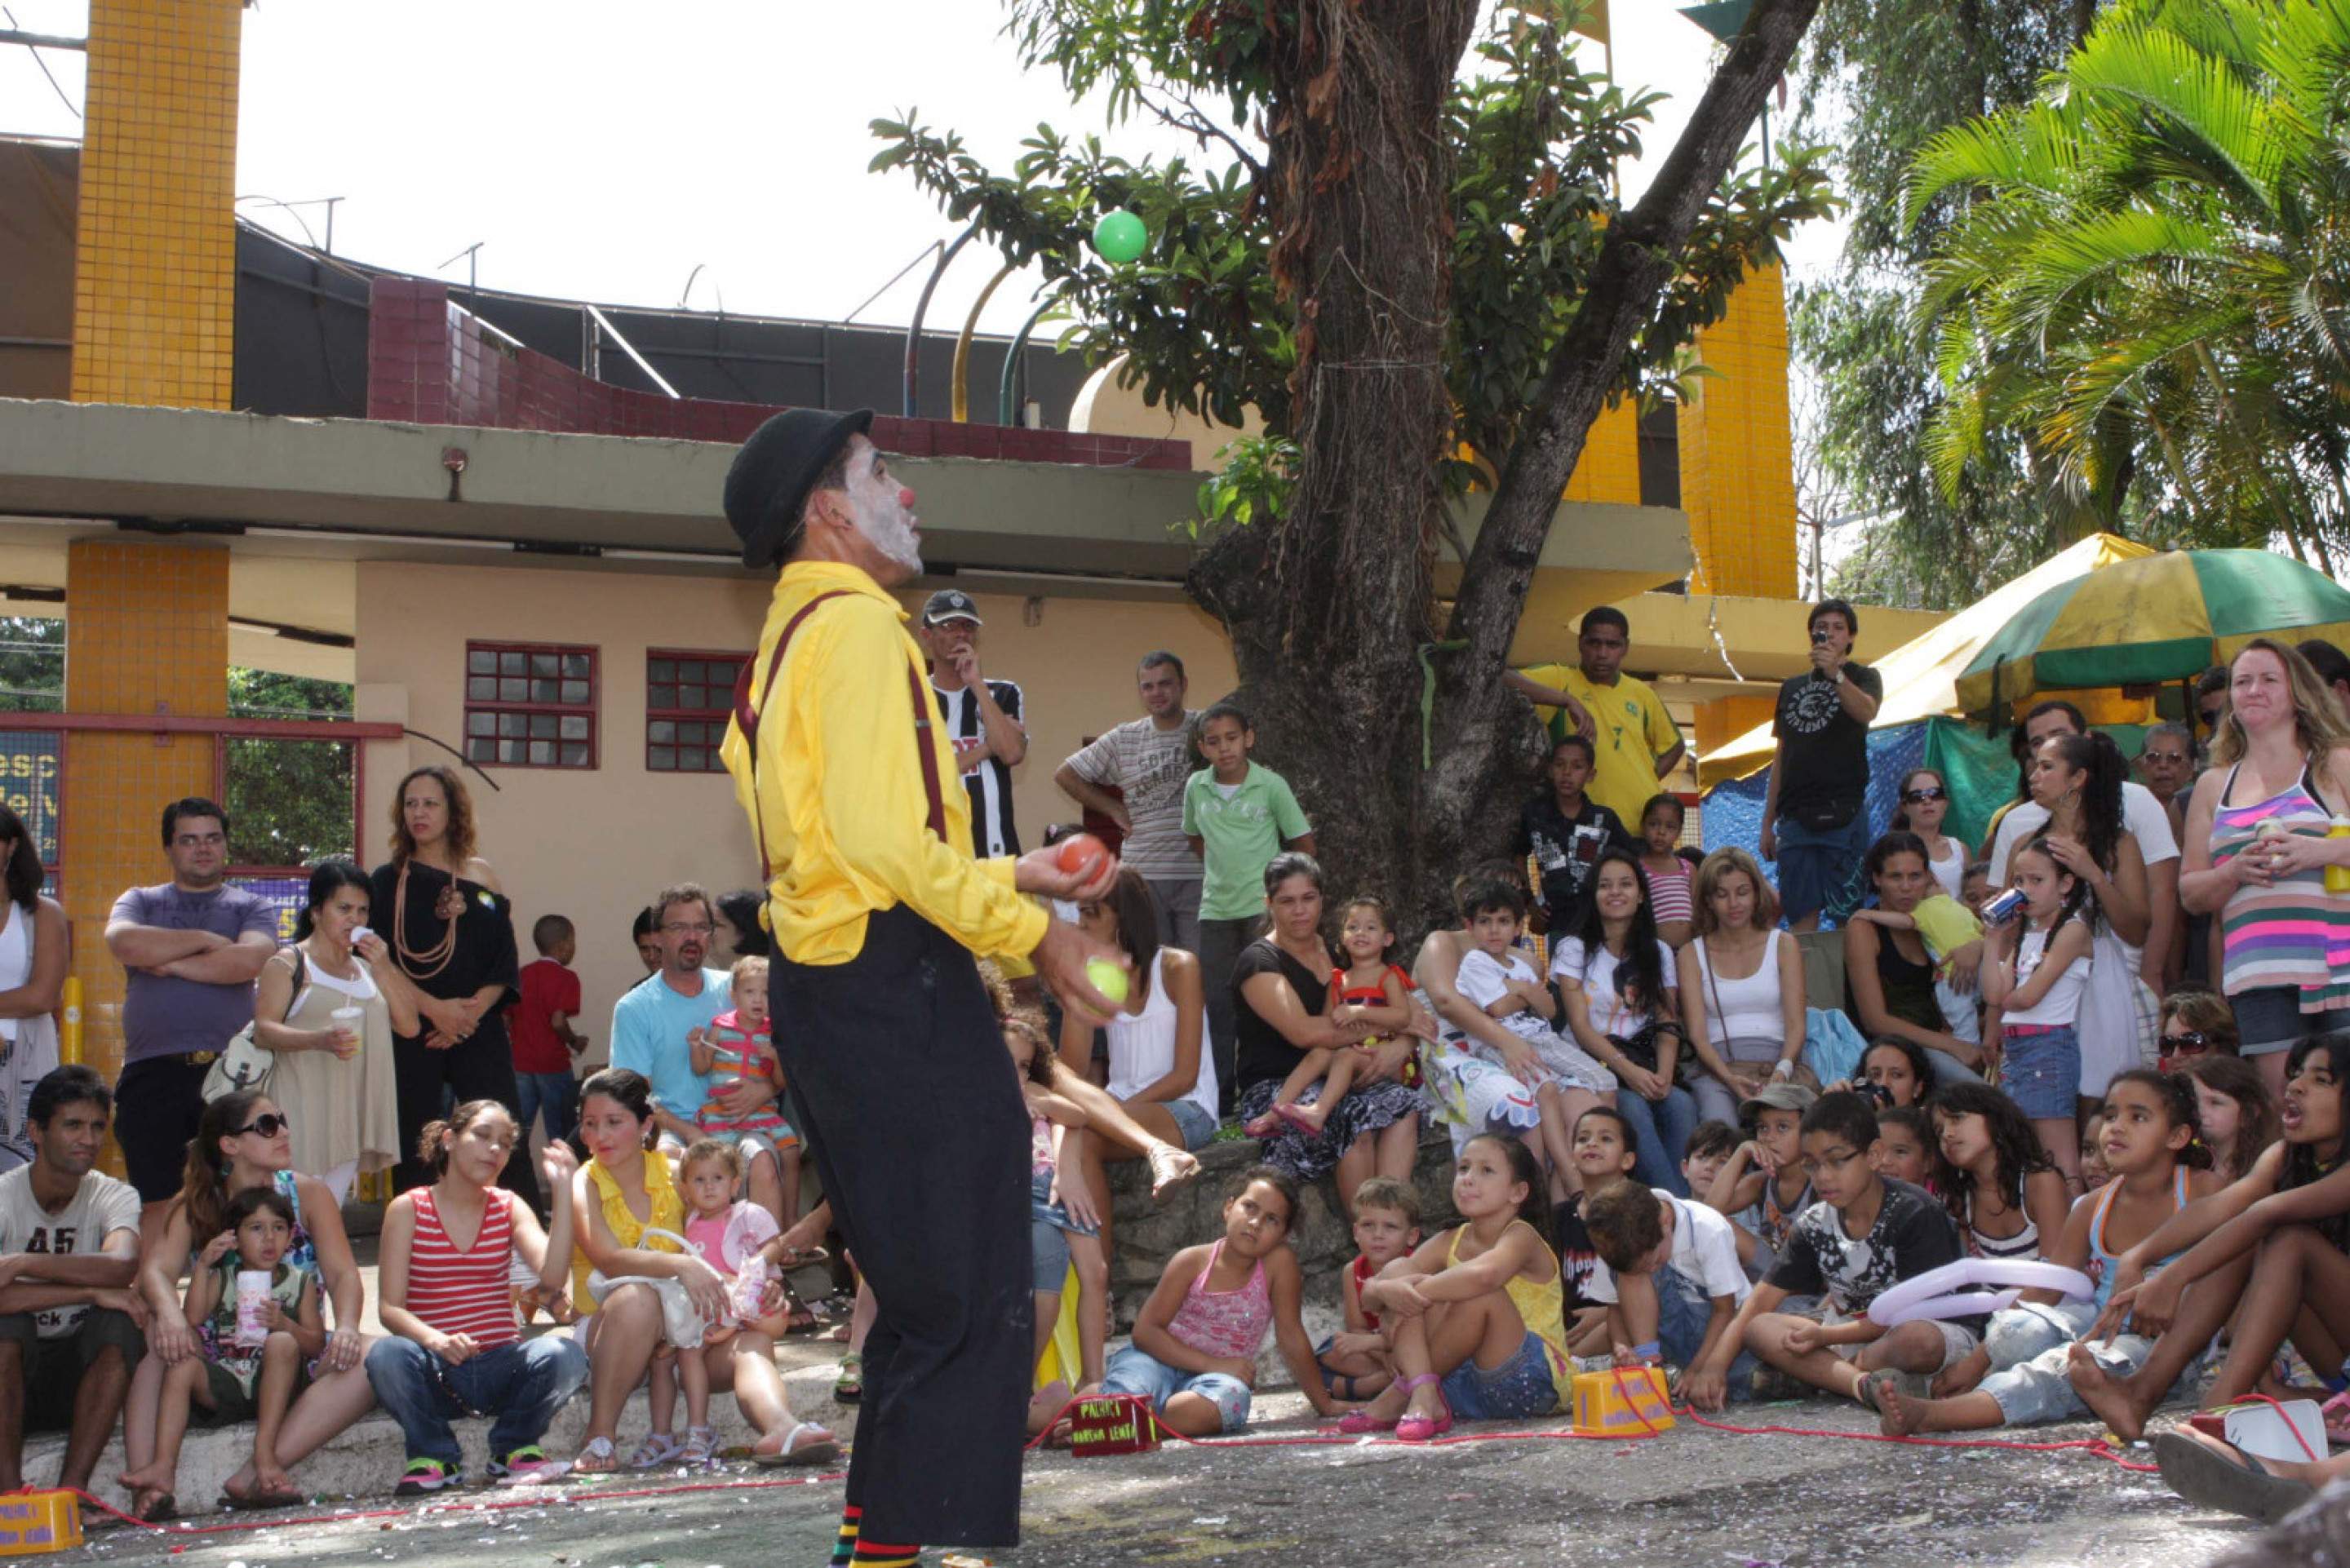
{"x": 1693, "y": 1497}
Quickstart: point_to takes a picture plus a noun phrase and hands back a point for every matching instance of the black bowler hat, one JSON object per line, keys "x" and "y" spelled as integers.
{"x": 769, "y": 483}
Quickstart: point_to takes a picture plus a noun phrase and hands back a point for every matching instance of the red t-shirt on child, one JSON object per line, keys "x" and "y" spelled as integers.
{"x": 547, "y": 988}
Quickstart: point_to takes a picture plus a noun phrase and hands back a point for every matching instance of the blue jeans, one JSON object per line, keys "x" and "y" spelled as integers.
{"x": 1661, "y": 1135}
{"x": 1132, "y": 1371}
{"x": 554, "y": 1095}
{"x": 1819, "y": 870}
{"x": 522, "y": 1386}
{"x": 1684, "y": 1312}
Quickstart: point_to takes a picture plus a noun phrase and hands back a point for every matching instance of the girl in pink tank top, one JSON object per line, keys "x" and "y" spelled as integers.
{"x": 1196, "y": 1339}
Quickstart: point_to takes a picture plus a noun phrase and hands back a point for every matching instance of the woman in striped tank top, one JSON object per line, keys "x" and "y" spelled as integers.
{"x": 2257, "y": 852}
{"x": 455, "y": 1347}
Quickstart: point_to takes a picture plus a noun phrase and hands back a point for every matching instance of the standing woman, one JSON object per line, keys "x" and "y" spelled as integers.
{"x": 1741, "y": 987}
{"x": 1925, "y": 805}
{"x": 35, "y": 946}
{"x": 2257, "y": 851}
{"x": 1159, "y": 1074}
{"x": 1281, "y": 995}
{"x": 2079, "y": 779}
{"x": 452, "y": 933}
{"x": 333, "y": 1078}
{"x": 1888, "y": 969}
{"x": 244, "y": 1141}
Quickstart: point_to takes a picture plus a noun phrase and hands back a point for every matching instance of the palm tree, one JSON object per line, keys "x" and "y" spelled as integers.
{"x": 2149, "y": 282}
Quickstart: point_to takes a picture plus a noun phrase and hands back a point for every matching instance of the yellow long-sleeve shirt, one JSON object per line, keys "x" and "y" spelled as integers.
{"x": 840, "y": 784}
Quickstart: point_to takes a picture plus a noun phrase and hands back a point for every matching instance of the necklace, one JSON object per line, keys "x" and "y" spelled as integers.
{"x": 451, "y": 904}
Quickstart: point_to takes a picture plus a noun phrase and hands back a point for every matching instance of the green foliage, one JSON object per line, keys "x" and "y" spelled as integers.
{"x": 2150, "y": 282}
{"x": 32, "y": 664}
{"x": 289, "y": 801}
{"x": 1208, "y": 325}
{"x": 1255, "y": 485}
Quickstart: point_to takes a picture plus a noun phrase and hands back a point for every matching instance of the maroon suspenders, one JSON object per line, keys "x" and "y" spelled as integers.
{"x": 746, "y": 718}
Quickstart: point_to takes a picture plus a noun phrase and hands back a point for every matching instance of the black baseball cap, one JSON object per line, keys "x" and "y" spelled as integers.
{"x": 949, "y": 604}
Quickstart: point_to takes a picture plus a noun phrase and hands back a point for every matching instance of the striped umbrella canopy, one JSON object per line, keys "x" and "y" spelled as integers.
{"x": 2158, "y": 618}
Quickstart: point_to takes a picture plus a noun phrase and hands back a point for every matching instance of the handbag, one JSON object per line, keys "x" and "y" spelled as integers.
{"x": 244, "y": 1063}
{"x": 681, "y": 1322}
{"x": 1642, "y": 1049}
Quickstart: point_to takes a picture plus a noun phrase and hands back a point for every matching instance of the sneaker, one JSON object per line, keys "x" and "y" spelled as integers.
{"x": 424, "y": 1477}
{"x": 524, "y": 1465}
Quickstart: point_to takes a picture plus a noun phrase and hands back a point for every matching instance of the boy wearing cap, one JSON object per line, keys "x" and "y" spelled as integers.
{"x": 1764, "y": 1188}
{"x": 983, "y": 718}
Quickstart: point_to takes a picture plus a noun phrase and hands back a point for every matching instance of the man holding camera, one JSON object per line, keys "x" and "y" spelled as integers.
{"x": 1815, "y": 814}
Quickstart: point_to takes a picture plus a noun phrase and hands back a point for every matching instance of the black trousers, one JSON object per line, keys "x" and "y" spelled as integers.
{"x": 157, "y": 1104}
{"x": 432, "y": 1081}
{"x": 898, "y": 1071}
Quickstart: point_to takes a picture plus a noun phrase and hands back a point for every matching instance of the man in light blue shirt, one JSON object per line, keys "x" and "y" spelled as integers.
{"x": 649, "y": 1025}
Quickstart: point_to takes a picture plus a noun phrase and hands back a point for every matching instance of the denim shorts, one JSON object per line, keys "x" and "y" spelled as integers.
{"x": 1518, "y": 1390}
{"x": 2040, "y": 1069}
{"x": 1819, "y": 871}
{"x": 1048, "y": 1240}
{"x": 2269, "y": 1019}
{"x": 1197, "y": 1126}
{"x": 1684, "y": 1314}
{"x": 1132, "y": 1371}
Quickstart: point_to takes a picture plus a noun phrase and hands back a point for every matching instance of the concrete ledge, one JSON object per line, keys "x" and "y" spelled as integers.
{"x": 366, "y": 1459}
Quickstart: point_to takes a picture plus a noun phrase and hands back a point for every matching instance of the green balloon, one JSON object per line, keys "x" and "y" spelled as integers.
{"x": 1120, "y": 236}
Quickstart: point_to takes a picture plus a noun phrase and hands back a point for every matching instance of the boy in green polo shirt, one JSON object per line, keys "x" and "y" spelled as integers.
{"x": 1237, "y": 816}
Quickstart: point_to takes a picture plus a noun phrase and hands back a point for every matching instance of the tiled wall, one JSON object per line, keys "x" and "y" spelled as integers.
{"x": 434, "y": 363}
{"x": 155, "y": 284}
{"x": 148, "y": 634}
{"x": 1738, "y": 470}
{"x": 1609, "y": 468}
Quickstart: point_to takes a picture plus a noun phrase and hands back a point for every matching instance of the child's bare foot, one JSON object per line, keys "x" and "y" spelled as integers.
{"x": 1170, "y": 1168}
{"x": 2111, "y": 1399}
{"x": 1045, "y": 1405}
{"x": 1898, "y": 1415}
{"x": 1307, "y": 1119}
{"x": 144, "y": 1479}
{"x": 1268, "y": 1125}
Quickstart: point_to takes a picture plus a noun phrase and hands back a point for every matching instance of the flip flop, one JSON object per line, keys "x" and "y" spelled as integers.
{"x": 813, "y": 1453}
{"x": 1295, "y": 1122}
{"x": 2226, "y": 1478}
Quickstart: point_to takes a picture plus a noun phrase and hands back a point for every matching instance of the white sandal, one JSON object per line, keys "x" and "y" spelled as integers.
{"x": 597, "y": 1456}
{"x": 700, "y": 1447}
{"x": 658, "y": 1448}
{"x": 814, "y": 1453}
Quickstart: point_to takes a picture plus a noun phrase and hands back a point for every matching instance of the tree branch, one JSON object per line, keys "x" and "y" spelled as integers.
{"x": 1636, "y": 263}
{"x": 1196, "y": 124}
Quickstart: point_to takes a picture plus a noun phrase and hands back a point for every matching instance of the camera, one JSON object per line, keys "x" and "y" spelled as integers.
{"x": 1876, "y": 1095}
{"x": 1819, "y": 639}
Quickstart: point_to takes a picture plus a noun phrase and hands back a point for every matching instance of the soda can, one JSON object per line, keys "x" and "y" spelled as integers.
{"x": 2006, "y": 907}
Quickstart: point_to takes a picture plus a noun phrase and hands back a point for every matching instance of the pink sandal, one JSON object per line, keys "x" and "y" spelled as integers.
{"x": 1422, "y": 1429}
{"x": 2335, "y": 1413}
{"x": 1355, "y": 1423}
{"x": 1291, "y": 1118}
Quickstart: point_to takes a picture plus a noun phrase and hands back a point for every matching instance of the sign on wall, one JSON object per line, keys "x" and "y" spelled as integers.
{"x": 285, "y": 895}
{"x": 32, "y": 769}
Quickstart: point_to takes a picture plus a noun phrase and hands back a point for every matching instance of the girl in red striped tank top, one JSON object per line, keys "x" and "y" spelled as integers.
{"x": 455, "y": 1347}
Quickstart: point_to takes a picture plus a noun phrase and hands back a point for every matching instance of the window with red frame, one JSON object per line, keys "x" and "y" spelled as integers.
{"x": 688, "y": 697}
{"x": 530, "y": 704}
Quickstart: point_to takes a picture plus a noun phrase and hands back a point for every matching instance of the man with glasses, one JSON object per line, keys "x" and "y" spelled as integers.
{"x": 2166, "y": 764}
{"x": 1635, "y": 742}
{"x": 190, "y": 949}
{"x": 652, "y": 1025}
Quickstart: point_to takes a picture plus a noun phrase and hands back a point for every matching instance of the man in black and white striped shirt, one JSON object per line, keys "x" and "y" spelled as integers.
{"x": 983, "y": 718}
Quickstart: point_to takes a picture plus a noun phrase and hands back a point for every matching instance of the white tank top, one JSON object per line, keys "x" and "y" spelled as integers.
{"x": 15, "y": 959}
{"x": 1142, "y": 1045}
{"x": 2062, "y": 1003}
{"x": 1746, "y": 1009}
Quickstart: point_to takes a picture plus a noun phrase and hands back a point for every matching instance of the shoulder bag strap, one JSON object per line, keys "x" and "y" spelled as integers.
{"x": 746, "y": 718}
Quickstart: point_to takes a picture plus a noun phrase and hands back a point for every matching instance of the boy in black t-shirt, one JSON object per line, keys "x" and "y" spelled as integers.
{"x": 1865, "y": 1235}
{"x": 1815, "y": 810}
{"x": 1565, "y": 831}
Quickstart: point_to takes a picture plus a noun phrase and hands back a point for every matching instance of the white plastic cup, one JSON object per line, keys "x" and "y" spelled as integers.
{"x": 253, "y": 1307}
{"x": 349, "y": 1019}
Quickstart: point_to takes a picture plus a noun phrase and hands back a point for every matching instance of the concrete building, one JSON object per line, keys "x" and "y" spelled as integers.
{"x": 497, "y": 517}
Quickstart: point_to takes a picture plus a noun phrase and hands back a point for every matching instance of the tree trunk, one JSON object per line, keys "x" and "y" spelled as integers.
{"x": 1328, "y": 609}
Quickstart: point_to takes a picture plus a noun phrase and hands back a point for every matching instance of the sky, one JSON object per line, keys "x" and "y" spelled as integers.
{"x": 603, "y": 150}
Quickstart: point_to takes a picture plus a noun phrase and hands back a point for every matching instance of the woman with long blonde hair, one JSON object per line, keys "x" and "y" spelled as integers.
{"x": 1741, "y": 987}
{"x": 2257, "y": 851}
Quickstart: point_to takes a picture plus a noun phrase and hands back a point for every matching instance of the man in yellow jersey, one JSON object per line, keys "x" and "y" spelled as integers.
{"x": 1636, "y": 741}
{"x": 891, "y": 1052}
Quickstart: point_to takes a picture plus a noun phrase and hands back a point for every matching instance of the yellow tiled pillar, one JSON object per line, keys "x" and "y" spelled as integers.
{"x": 146, "y": 632}
{"x": 1609, "y": 468}
{"x": 1736, "y": 455}
{"x": 155, "y": 253}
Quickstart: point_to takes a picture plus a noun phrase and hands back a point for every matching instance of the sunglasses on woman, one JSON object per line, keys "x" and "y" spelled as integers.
{"x": 2187, "y": 1042}
{"x": 1920, "y": 796}
{"x": 268, "y": 1125}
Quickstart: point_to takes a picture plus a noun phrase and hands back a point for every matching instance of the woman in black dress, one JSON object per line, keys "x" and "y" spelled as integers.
{"x": 1280, "y": 996}
{"x": 451, "y": 930}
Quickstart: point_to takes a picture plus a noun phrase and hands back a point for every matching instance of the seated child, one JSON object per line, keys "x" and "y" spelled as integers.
{"x": 1604, "y": 1158}
{"x": 2266, "y": 1252}
{"x": 1495, "y": 977}
{"x": 1056, "y": 1234}
{"x": 1355, "y": 1364}
{"x": 1764, "y": 1188}
{"x": 1472, "y": 1316}
{"x": 247, "y": 1369}
{"x": 2239, "y": 1113}
{"x": 1196, "y": 1339}
{"x": 1993, "y": 1174}
{"x": 1865, "y": 1235}
{"x": 738, "y": 1046}
{"x": 1904, "y": 1143}
{"x": 1669, "y": 1271}
{"x": 1379, "y": 992}
{"x": 2156, "y": 1155}
{"x": 1711, "y": 1144}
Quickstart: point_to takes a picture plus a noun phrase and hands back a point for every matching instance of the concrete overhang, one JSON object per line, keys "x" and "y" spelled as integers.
{"x": 337, "y": 490}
